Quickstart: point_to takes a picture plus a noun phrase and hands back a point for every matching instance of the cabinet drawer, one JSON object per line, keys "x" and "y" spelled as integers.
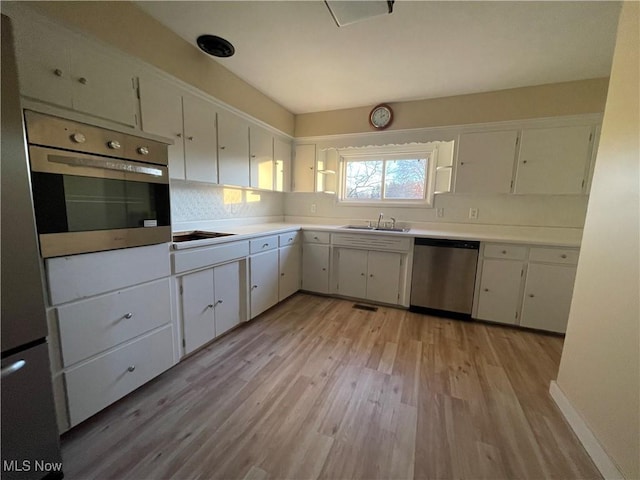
{"x": 289, "y": 238}
{"x": 566, "y": 256}
{"x": 511, "y": 252}
{"x": 92, "y": 326}
{"x": 316, "y": 237}
{"x": 100, "y": 382}
{"x": 208, "y": 256}
{"x": 263, "y": 244}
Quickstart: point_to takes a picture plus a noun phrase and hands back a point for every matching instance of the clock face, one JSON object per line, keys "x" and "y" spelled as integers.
{"x": 381, "y": 116}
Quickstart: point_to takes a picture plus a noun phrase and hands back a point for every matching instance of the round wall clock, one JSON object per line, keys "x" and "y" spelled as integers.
{"x": 381, "y": 116}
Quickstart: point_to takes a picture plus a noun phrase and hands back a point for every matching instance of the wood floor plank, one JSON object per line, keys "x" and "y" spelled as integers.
{"x": 314, "y": 388}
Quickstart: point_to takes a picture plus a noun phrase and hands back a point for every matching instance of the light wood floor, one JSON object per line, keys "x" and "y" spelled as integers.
{"x": 316, "y": 389}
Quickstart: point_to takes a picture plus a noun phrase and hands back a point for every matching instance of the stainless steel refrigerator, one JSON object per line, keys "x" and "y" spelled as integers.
{"x": 30, "y": 440}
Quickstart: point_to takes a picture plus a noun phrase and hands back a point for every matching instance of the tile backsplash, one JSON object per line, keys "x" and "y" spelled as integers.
{"x": 198, "y": 202}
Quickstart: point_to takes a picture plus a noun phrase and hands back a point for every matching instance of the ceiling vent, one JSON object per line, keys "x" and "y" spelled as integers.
{"x": 216, "y": 46}
{"x": 348, "y": 12}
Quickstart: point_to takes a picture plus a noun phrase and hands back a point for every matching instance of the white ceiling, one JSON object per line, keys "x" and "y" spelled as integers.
{"x": 293, "y": 52}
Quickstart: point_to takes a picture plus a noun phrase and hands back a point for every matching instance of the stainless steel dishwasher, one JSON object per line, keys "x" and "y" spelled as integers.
{"x": 444, "y": 275}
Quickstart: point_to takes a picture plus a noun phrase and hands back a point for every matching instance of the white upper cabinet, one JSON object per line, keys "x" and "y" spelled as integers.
{"x": 161, "y": 109}
{"x": 282, "y": 165}
{"x": 233, "y": 150}
{"x": 304, "y": 165}
{"x": 200, "y": 139}
{"x": 59, "y": 68}
{"x": 554, "y": 160}
{"x": 261, "y": 158}
{"x": 485, "y": 162}
{"x": 189, "y": 121}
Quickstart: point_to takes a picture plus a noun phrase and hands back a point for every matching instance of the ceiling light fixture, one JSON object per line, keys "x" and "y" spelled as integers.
{"x": 216, "y": 46}
{"x": 348, "y": 12}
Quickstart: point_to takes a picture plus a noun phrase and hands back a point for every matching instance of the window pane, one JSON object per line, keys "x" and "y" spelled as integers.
{"x": 363, "y": 180}
{"x": 405, "y": 179}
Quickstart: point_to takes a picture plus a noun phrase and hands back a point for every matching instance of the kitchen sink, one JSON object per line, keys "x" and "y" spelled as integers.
{"x": 197, "y": 235}
{"x": 376, "y": 229}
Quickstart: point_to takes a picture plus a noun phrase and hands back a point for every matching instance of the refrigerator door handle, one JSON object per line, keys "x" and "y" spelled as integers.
{"x": 14, "y": 367}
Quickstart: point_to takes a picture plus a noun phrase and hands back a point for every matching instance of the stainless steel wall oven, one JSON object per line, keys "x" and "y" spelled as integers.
{"x": 95, "y": 189}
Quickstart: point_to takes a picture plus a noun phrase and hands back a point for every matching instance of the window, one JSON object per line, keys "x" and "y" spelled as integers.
{"x": 387, "y": 175}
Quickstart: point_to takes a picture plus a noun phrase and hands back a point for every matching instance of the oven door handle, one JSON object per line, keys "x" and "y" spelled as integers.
{"x": 48, "y": 160}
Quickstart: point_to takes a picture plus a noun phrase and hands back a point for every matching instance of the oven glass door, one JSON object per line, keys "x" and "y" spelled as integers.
{"x": 68, "y": 203}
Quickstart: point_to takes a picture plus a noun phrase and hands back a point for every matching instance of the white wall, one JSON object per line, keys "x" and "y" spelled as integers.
{"x": 195, "y": 205}
{"x": 600, "y": 367}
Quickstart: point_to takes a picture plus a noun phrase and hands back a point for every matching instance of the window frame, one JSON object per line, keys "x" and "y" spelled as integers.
{"x": 395, "y": 152}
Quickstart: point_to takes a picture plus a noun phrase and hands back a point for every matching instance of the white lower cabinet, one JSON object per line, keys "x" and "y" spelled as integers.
{"x": 96, "y": 384}
{"x": 211, "y": 304}
{"x": 500, "y": 291}
{"x": 315, "y": 267}
{"x": 526, "y": 286}
{"x": 368, "y": 274}
{"x": 289, "y": 265}
{"x": 263, "y": 272}
{"x": 547, "y": 296}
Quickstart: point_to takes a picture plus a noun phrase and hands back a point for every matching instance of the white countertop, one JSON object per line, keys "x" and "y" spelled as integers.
{"x": 552, "y": 236}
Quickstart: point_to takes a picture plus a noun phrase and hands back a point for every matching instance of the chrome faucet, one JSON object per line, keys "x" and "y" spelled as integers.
{"x": 393, "y": 222}
{"x": 379, "y": 219}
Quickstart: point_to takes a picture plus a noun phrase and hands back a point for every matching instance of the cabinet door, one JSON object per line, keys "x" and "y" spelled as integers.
{"x": 383, "y": 276}
{"x": 102, "y": 85}
{"x": 315, "y": 268}
{"x": 264, "y": 281}
{"x": 290, "y": 259}
{"x": 226, "y": 305}
{"x": 547, "y": 296}
{"x": 197, "y": 309}
{"x": 499, "y": 295}
{"x": 304, "y": 168}
{"x": 553, "y": 160}
{"x": 200, "y": 139}
{"x": 485, "y": 162}
{"x": 282, "y": 165}
{"x": 233, "y": 150}
{"x": 352, "y": 272}
{"x": 43, "y": 63}
{"x": 261, "y": 158}
{"x": 161, "y": 109}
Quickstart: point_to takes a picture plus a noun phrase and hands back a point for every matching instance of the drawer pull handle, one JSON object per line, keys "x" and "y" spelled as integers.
{"x": 486, "y": 289}
{"x": 290, "y": 239}
{"x": 282, "y": 274}
{"x": 254, "y": 287}
{"x": 128, "y": 315}
{"x": 179, "y": 135}
{"x": 57, "y": 72}
{"x": 131, "y": 368}
{"x": 218, "y": 302}
{"x": 210, "y": 305}
{"x": 531, "y": 295}
{"x": 265, "y": 245}
{"x": 362, "y": 274}
{"x": 316, "y": 238}
{"x": 83, "y": 80}
{"x": 324, "y": 269}
{"x": 564, "y": 255}
{"x": 504, "y": 252}
{"x": 222, "y": 147}
{"x": 14, "y": 367}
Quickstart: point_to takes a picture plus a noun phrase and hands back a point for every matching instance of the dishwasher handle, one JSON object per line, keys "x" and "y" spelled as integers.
{"x": 442, "y": 242}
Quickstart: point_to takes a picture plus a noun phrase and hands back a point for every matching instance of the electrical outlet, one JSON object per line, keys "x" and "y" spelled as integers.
{"x": 473, "y": 213}
{"x": 313, "y": 208}
{"x": 440, "y": 212}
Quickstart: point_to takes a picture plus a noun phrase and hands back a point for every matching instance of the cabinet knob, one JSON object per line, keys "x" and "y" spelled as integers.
{"x": 78, "y": 138}
{"x": 210, "y": 305}
{"x": 524, "y": 161}
{"x": 131, "y": 368}
{"x": 222, "y": 147}
{"x": 190, "y": 137}
{"x": 282, "y": 274}
{"x": 128, "y": 315}
{"x": 371, "y": 275}
{"x": 218, "y": 302}
{"x": 324, "y": 269}
{"x": 179, "y": 135}
{"x": 253, "y": 156}
{"x": 254, "y": 287}
{"x": 83, "y": 80}
{"x": 143, "y": 150}
{"x": 315, "y": 238}
{"x": 486, "y": 289}
{"x": 291, "y": 239}
{"x": 114, "y": 144}
{"x": 265, "y": 245}
{"x": 461, "y": 163}
{"x": 57, "y": 72}
{"x": 504, "y": 252}
{"x": 531, "y": 295}
{"x": 564, "y": 255}
{"x": 362, "y": 274}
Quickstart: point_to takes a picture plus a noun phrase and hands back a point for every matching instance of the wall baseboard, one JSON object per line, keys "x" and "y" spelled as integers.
{"x": 590, "y": 443}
